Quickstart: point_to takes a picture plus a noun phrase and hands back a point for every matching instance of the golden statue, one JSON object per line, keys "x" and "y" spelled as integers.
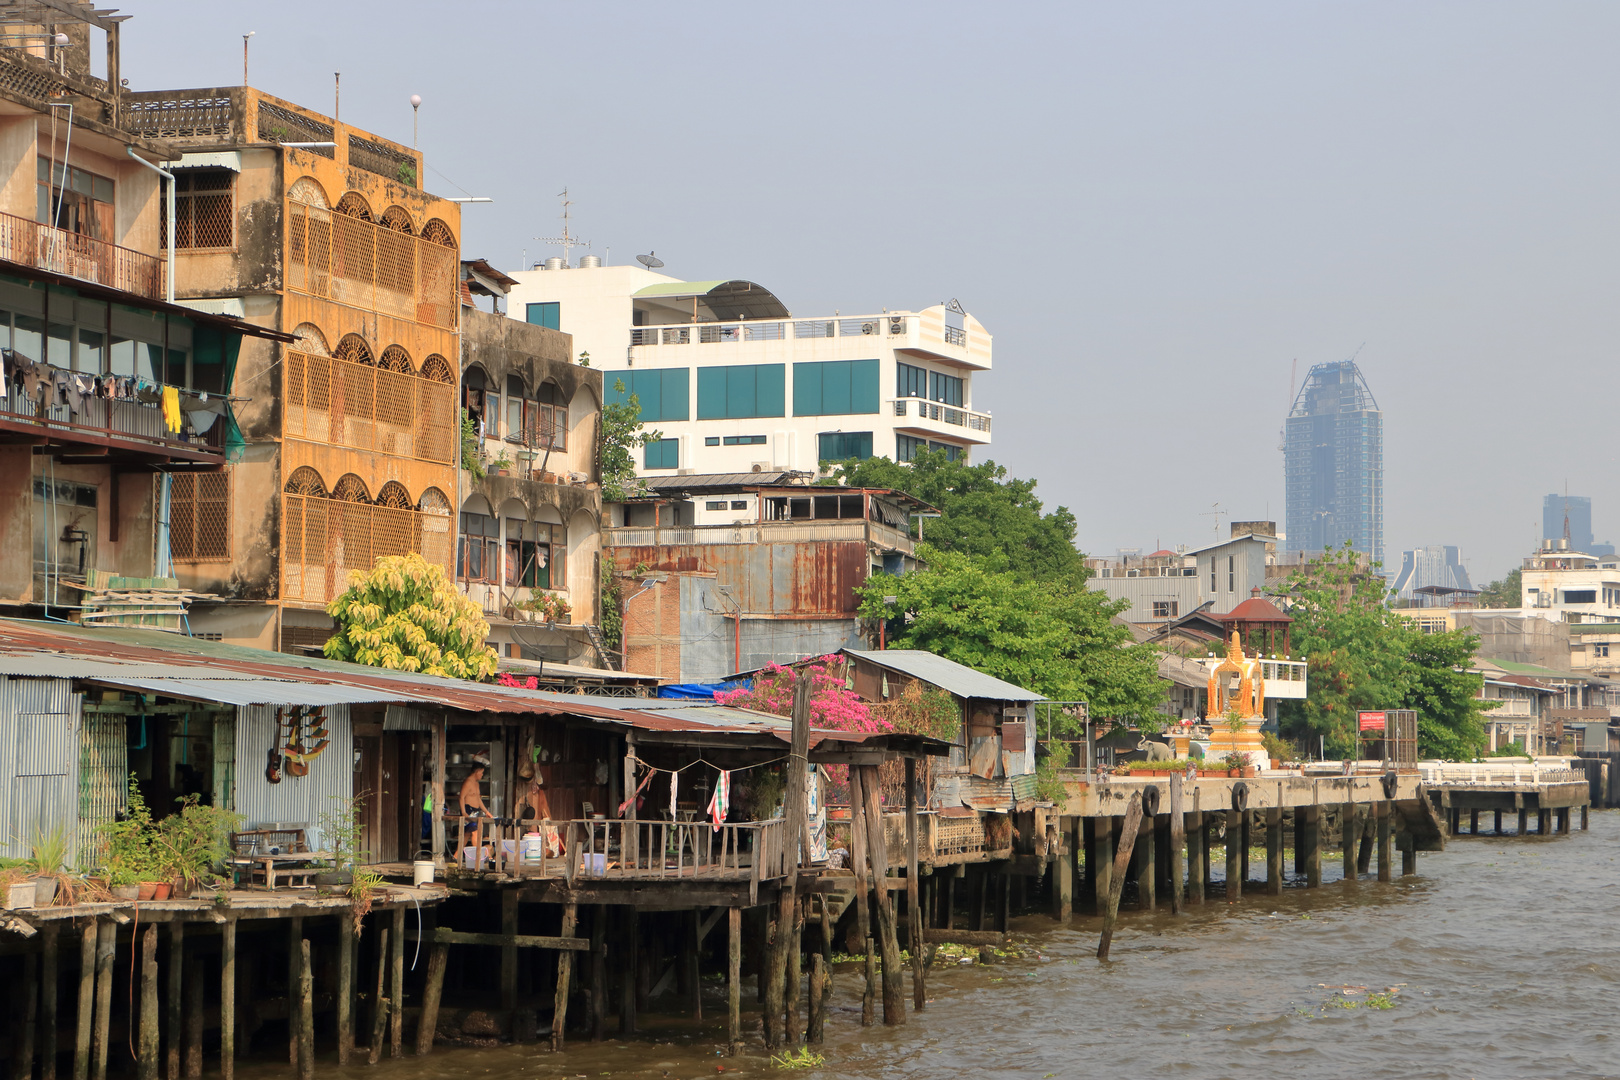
{"x": 1250, "y": 699}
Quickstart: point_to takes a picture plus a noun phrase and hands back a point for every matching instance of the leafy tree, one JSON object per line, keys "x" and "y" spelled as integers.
{"x": 406, "y": 614}
{"x": 1505, "y": 593}
{"x": 1054, "y": 637}
{"x": 984, "y": 512}
{"x": 622, "y": 435}
{"x": 1365, "y": 656}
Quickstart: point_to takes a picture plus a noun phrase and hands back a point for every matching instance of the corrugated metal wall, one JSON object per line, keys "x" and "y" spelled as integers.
{"x": 39, "y": 760}
{"x": 296, "y": 798}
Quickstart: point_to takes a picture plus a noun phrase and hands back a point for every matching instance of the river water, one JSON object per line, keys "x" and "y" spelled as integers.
{"x": 1498, "y": 960}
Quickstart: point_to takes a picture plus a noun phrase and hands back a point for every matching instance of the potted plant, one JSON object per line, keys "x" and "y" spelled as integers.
{"x": 191, "y": 842}
{"x": 47, "y": 859}
{"x": 342, "y": 834}
{"x": 1235, "y": 764}
{"x": 501, "y": 465}
{"x": 16, "y": 885}
{"x": 129, "y": 859}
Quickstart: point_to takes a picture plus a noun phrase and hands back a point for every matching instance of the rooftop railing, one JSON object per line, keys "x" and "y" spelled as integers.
{"x": 780, "y": 330}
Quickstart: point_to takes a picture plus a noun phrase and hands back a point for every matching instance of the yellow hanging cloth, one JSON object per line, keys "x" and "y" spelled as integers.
{"x": 171, "y": 408}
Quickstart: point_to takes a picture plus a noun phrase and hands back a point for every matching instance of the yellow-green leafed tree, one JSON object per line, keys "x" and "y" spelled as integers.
{"x": 407, "y": 615}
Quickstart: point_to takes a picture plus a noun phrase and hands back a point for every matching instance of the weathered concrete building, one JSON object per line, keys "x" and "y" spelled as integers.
{"x": 111, "y": 396}
{"x": 296, "y": 221}
{"x": 529, "y": 548}
{"x": 727, "y": 573}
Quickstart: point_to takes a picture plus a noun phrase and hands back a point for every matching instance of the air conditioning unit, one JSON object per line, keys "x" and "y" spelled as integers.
{"x": 685, "y": 472}
{"x": 761, "y": 466}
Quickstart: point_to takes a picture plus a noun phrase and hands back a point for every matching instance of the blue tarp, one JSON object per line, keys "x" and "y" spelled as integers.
{"x": 705, "y": 691}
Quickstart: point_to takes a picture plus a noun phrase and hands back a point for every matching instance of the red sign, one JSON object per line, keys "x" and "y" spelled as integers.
{"x": 1371, "y": 721}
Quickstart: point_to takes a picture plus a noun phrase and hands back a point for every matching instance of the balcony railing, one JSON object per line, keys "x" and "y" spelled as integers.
{"x": 100, "y": 419}
{"x": 944, "y": 414}
{"x": 712, "y": 333}
{"x": 74, "y": 255}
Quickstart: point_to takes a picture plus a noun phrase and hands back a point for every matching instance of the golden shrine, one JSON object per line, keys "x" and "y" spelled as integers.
{"x": 1236, "y": 705}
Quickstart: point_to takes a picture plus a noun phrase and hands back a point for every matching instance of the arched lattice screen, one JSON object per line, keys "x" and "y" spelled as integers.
{"x": 395, "y": 358}
{"x": 354, "y": 205}
{"x": 396, "y": 218}
{"x": 350, "y": 488}
{"x": 394, "y": 494}
{"x": 353, "y": 347}
{"x": 437, "y": 368}
{"x": 306, "y": 481}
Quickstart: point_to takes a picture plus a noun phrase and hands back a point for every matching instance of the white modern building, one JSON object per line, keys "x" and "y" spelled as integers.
{"x": 1571, "y": 586}
{"x": 735, "y": 383}
{"x": 1167, "y": 585}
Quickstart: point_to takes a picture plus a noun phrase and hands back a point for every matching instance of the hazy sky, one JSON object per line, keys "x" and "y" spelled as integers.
{"x": 1154, "y": 207}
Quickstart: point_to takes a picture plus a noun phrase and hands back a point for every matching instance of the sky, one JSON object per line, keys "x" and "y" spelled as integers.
{"x": 1157, "y": 209}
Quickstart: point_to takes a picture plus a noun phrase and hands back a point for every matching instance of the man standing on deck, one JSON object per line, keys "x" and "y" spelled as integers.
{"x": 471, "y": 799}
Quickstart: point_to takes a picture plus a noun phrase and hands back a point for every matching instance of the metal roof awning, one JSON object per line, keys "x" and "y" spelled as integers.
{"x": 959, "y": 679}
{"x": 726, "y": 300}
{"x": 209, "y": 159}
{"x": 250, "y": 691}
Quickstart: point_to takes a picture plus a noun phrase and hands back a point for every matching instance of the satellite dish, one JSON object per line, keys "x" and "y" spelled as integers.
{"x": 650, "y": 260}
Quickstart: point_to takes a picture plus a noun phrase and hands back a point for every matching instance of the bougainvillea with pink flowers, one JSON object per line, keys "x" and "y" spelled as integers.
{"x": 833, "y": 706}
{"x": 506, "y": 679}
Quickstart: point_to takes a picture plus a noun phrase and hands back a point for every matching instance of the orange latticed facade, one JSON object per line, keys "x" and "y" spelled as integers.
{"x": 349, "y": 259}
{"x": 324, "y": 538}
{"x": 346, "y": 403}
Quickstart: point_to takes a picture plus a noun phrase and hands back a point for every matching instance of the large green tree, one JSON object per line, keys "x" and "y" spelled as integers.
{"x": 1365, "y": 656}
{"x": 622, "y": 436}
{"x": 1503, "y": 593}
{"x": 984, "y": 512}
{"x": 1054, "y": 637}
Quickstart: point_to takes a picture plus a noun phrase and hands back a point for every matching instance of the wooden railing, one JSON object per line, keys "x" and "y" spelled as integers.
{"x": 595, "y": 849}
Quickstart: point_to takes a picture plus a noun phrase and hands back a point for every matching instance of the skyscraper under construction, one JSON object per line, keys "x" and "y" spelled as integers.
{"x": 1334, "y": 463}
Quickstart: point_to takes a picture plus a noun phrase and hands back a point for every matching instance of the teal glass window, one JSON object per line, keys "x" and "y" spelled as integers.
{"x": 662, "y": 454}
{"x": 843, "y": 445}
{"x": 662, "y": 392}
{"x": 907, "y": 448}
{"x": 545, "y": 314}
{"x": 741, "y": 391}
{"x": 835, "y": 388}
{"x": 712, "y": 440}
{"x": 910, "y": 381}
{"x": 745, "y": 440}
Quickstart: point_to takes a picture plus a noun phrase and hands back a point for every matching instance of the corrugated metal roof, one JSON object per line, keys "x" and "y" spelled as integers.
{"x": 959, "y": 679}
{"x": 248, "y": 691}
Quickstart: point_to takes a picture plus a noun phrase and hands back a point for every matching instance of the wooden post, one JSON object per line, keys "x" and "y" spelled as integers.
{"x": 795, "y": 958}
{"x": 227, "y": 998}
{"x": 1274, "y": 851}
{"x": 509, "y": 953}
{"x": 599, "y": 973}
{"x": 629, "y": 961}
{"x": 1584, "y": 808}
{"x": 1245, "y": 842}
{"x": 1234, "y": 856}
{"x": 146, "y": 1056}
{"x": 50, "y": 962}
{"x": 1386, "y": 860}
{"x": 1364, "y": 856}
{"x": 295, "y": 934}
{"x": 858, "y": 861}
{"x": 87, "y": 1000}
{"x": 979, "y": 902}
{"x": 1102, "y": 855}
{"x": 914, "y": 919}
{"x": 894, "y": 1010}
{"x": 734, "y": 980}
{"x": 1349, "y": 829}
{"x": 816, "y": 1031}
{"x": 1454, "y": 817}
{"x": 437, "y": 819}
{"x": 427, "y": 1027}
{"x": 1408, "y": 854}
{"x": 345, "y": 994}
{"x": 1308, "y": 835}
{"x": 1178, "y": 839}
{"x": 396, "y": 986}
{"x": 1145, "y": 858}
{"x": 106, "y": 947}
{"x": 1473, "y": 822}
{"x": 691, "y": 962}
{"x": 379, "y": 1011}
{"x": 1062, "y": 878}
{"x": 565, "y": 970}
{"x": 1122, "y": 859}
{"x": 177, "y": 960}
{"x": 1197, "y": 857}
{"x": 1498, "y": 828}
{"x": 796, "y": 842}
{"x": 25, "y": 1017}
{"x": 1524, "y": 819}
{"x": 306, "y": 1014}
{"x": 191, "y": 1057}
{"x": 947, "y": 917}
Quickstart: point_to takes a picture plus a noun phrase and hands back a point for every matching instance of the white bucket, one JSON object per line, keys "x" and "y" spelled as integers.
{"x": 422, "y": 872}
{"x": 533, "y": 847}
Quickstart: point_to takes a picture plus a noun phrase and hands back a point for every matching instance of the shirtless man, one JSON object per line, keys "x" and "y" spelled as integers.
{"x": 535, "y": 799}
{"x": 471, "y": 798}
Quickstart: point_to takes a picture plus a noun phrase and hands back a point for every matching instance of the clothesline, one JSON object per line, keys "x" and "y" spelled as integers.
{"x": 710, "y": 764}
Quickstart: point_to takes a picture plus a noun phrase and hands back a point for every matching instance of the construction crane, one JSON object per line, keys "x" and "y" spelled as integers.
{"x": 1293, "y": 380}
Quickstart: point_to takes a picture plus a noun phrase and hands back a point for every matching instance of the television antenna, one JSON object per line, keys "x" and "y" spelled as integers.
{"x": 650, "y": 260}
{"x": 1215, "y": 512}
{"x": 568, "y": 240}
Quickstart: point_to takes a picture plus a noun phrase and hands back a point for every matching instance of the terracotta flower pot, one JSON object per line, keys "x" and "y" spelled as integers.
{"x": 147, "y": 890}
{"x": 1276, "y": 763}
{"x": 1249, "y": 773}
{"x": 161, "y": 890}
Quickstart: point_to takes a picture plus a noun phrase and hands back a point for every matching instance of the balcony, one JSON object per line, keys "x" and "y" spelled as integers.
{"x": 933, "y": 418}
{"x": 908, "y": 332}
{"x": 83, "y": 258}
{"x": 114, "y": 424}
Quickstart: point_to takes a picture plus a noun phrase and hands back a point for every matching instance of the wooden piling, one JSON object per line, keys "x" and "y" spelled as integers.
{"x": 345, "y": 993}
{"x": 599, "y": 973}
{"x": 1197, "y": 856}
{"x": 1147, "y": 868}
{"x": 629, "y": 960}
{"x": 427, "y": 1026}
{"x": 87, "y": 1000}
{"x": 295, "y": 934}
{"x": 914, "y": 918}
{"x": 894, "y": 1010}
{"x": 509, "y": 952}
{"x": 1274, "y": 851}
{"x": 1364, "y": 856}
{"x": 858, "y": 863}
{"x": 379, "y": 1011}
{"x": 1062, "y": 879}
{"x": 50, "y": 963}
{"x": 25, "y": 1018}
{"x": 1234, "y": 856}
{"x": 191, "y": 1051}
{"x": 1386, "y": 860}
{"x": 791, "y": 1031}
{"x": 947, "y": 915}
{"x": 1178, "y": 839}
{"x": 1524, "y": 819}
{"x": 815, "y": 1031}
{"x": 146, "y": 1055}
{"x": 106, "y": 949}
{"x": 176, "y": 981}
{"x": 1122, "y": 859}
{"x": 1245, "y": 842}
{"x": 227, "y": 998}
{"x": 1308, "y": 835}
{"x": 1584, "y": 809}
{"x": 1349, "y": 830}
{"x": 1408, "y": 854}
{"x": 396, "y": 986}
{"x": 1102, "y": 853}
{"x": 306, "y": 1014}
{"x": 565, "y": 971}
{"x": 691, "y": 952}
{"x": 734, "y": 980}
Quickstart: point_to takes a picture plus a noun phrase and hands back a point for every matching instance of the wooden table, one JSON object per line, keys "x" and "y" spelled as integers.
{"x": 283, "y": 865}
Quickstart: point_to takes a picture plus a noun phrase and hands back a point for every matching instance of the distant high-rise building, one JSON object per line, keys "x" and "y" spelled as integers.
{"x": 1439, "y": 565}
{"x": 1334, "y": 463}
{"x": 1578, "y": 510}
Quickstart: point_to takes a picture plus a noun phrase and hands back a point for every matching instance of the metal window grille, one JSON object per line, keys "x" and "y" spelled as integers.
{"x": 352, "y": 403}
{"x": 199, "y": 516}
{"x": 205, "y": 209}
{"x": 178, "y": 116}
{"x": 276, "y": 124}
{"x": 375, "y": 157}
{"x": 370, "y": 266}
{"x": 325, "y": 539}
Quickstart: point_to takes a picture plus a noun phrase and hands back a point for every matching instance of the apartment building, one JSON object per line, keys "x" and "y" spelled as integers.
{"x": 116, "y": 418}
{"x": 297, "y": 222}
{"x": 1168, "y": 585}
{"x": 733, "y": 381}
{"x": 1565, "y": 585}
